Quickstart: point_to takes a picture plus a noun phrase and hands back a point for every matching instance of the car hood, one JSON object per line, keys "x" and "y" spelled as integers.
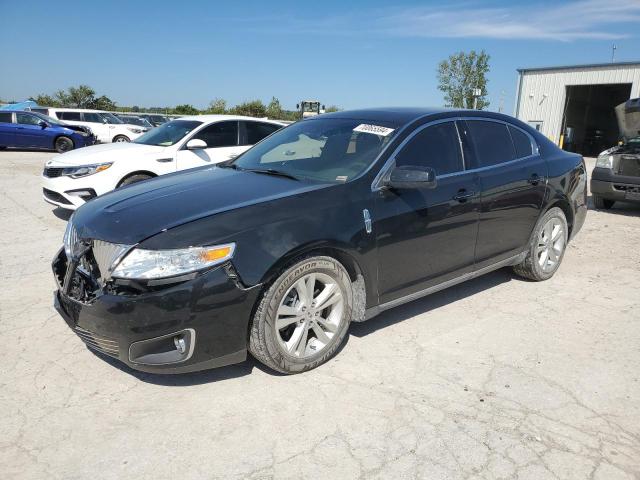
{"x": 628, "y": 116}
{"x": 106, "y": 152}
{"x": 132, "y": 214}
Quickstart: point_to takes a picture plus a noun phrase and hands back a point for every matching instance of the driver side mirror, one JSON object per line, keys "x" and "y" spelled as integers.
{"x": 196, "y": 144}
{"x": 43, "y": 124}
{"x": 411, "y": 176}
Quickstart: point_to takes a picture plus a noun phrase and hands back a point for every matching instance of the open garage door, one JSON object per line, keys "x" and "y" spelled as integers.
{"x": 589, "y": 123}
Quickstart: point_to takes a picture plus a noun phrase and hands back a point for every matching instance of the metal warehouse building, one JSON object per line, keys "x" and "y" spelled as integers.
{"x": 574, "y": 105}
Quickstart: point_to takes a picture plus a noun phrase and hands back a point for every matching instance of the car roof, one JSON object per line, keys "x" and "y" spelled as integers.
{"x": 215, "y": 118}
{"x": 404, "y": 115}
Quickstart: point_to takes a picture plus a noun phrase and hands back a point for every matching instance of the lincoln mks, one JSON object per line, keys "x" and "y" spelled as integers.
{"x": 328, "y": 221}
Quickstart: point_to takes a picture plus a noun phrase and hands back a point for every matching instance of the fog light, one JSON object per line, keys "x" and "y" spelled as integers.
{"x": 180, "y": 344}
{"x": 84, "y": 194}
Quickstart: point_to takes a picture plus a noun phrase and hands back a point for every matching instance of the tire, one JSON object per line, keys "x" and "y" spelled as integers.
{"x": 546, "y": 247}
{"x": 120, "y": 138}
{"x": 135, "y": 178}
{"x": 270, "y": 346}
{"x": 63, "y": 144}
{"x": 602, "y": 203}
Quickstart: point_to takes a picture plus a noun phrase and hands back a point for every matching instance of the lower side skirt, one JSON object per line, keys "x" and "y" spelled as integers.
{"x": 373, "y": 311}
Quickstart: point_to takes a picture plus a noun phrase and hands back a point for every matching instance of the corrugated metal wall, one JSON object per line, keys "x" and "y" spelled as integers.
{"x": 542, "y": 92}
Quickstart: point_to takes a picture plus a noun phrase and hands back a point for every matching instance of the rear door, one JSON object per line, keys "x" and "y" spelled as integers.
{"x": 427, "y": 236}
{"x": 222, "y": 139}
{"x": 7, "y": 130}
{"x": 513, "y": 180}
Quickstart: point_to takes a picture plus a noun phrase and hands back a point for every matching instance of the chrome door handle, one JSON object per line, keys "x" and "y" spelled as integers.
{"x": 463, "y": 195}
{"x": 164, "y": 160}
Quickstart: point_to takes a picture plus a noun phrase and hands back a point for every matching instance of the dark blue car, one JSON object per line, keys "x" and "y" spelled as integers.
{"x": 35, "y": 130}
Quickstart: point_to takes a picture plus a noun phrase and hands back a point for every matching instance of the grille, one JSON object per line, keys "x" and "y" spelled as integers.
{"x": 628, "y": 188}
{"x": 55, "y": 196}
{"x": 52, "y": 172}
{"x": 105, "y": 345}
{"x": 630, "y": 165}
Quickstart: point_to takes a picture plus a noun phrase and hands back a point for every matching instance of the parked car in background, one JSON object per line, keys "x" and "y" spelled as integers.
{"x": 107, "y": 127}
{"x": 154, "y": 119}
{"x": 276, "y": 254}
{"x": 34, "y": 130}
{"x": 134, "y": 120}
{"x": 70, "y": 180}
{"x": 616, "y": 176}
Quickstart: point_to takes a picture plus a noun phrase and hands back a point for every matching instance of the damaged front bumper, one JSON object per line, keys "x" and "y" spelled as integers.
{"x": 193, "y": 325}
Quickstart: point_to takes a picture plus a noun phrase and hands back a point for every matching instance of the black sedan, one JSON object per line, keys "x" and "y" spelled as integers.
{"x": 326, "y": 222}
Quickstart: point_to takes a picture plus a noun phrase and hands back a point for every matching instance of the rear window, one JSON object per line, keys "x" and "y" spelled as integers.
{"x": 5, "y": 117}
{"x": 492, "y": 142}
{"x": 521, "y": 142}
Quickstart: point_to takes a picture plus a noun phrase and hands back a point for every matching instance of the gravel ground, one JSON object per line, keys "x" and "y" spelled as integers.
{"x": 495, "y": 378}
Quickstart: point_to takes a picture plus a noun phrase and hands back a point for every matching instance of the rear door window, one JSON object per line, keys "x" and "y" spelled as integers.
{"x": 92, "y": 117}
{"x": 221, "y": 134}
{"x": 256, "y": 131}
{"x": 73, "y": 116}
{"x": 5, "y": 117}
{"x": 436, "y": 146}
{"x": 521, "y": 142}
{"x": 492, "y": 142}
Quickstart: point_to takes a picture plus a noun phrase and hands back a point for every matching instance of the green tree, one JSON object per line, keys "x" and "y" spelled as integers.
{"x": 45, "y": 100}
{"x": 274, "y": 109}
{"x": 82, "y": 96}
{"x": 332, "y": 108}
{"x": 253, "y": 108}
{"x": 186, "y": 109}
{"x": 460, "y": 74}
{"x": 217, "y": 106}
{"x": 102, "y": 103}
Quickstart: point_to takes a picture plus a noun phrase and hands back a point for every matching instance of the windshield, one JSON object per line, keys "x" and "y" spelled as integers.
{"x": 111, "y": 118}
{"x": 168, "y": 134}
{"x": 328, "y": 150}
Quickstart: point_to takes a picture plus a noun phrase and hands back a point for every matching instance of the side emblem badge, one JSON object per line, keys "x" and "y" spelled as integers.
{"x": 367, "y": 220}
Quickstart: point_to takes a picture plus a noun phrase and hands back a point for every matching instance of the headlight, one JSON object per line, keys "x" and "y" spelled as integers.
{"x": 605, "y": 161}
{"x": 85, "y": 170}
{"x": 135, "y": 130}
{"x": 81, "y": 133}
{"x": 143, "y": 264}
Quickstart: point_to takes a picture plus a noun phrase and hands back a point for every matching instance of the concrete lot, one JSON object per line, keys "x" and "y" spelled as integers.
{"x": 496, "y": 378}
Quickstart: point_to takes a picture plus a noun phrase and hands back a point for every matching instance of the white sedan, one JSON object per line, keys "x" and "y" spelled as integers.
{"x": 73, "y": 178}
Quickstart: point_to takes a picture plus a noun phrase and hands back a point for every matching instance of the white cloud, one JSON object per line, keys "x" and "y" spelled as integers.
{"x": 562, "y": 21}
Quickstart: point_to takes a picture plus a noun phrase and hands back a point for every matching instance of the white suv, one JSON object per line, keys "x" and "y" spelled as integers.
{"x": 73, "y": 178}
{"x": 106, "y": 126}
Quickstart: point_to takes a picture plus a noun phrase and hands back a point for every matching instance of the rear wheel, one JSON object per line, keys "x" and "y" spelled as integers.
{"x": 602, "y": 203}
{"x": 303, "y": 317}
{"x": 63, "y": 144}
{"x": 546, "y": 248}
{"x": 121, "y": 138}
{"x": 135, "y": 178}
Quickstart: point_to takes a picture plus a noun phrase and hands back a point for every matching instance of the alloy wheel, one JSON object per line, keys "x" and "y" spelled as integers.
{"x": 551, "y": 243}
{"x": 309, "y": 315}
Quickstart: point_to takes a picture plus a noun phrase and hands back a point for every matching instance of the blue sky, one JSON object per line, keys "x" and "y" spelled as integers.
{"x": 351, "y": 54}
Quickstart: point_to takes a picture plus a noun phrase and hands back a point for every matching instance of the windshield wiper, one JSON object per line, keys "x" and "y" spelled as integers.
{"x": 271, "y": 171}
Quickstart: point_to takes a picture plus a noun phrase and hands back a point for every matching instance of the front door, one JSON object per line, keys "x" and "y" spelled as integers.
{"x": 29, "y": 133}
{"x": 98, "y": 126}
{"x": 513, "y": 177}
{"x": 427, "y": 236}
{"x": 222, "y": 140}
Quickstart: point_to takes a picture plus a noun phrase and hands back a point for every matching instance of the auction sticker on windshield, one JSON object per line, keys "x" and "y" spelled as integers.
{"x": 375, "y": 129}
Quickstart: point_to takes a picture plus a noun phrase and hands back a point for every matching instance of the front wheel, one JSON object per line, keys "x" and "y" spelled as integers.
{"x": 546, "y": 248}
{"x": 138, "y": 177}
{"x": 63, "y": 144}
{"x": 303, "y": 317}
{"x": 120, "y": 139}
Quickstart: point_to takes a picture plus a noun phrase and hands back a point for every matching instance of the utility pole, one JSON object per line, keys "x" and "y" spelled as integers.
{"x": 613, "y": 53}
